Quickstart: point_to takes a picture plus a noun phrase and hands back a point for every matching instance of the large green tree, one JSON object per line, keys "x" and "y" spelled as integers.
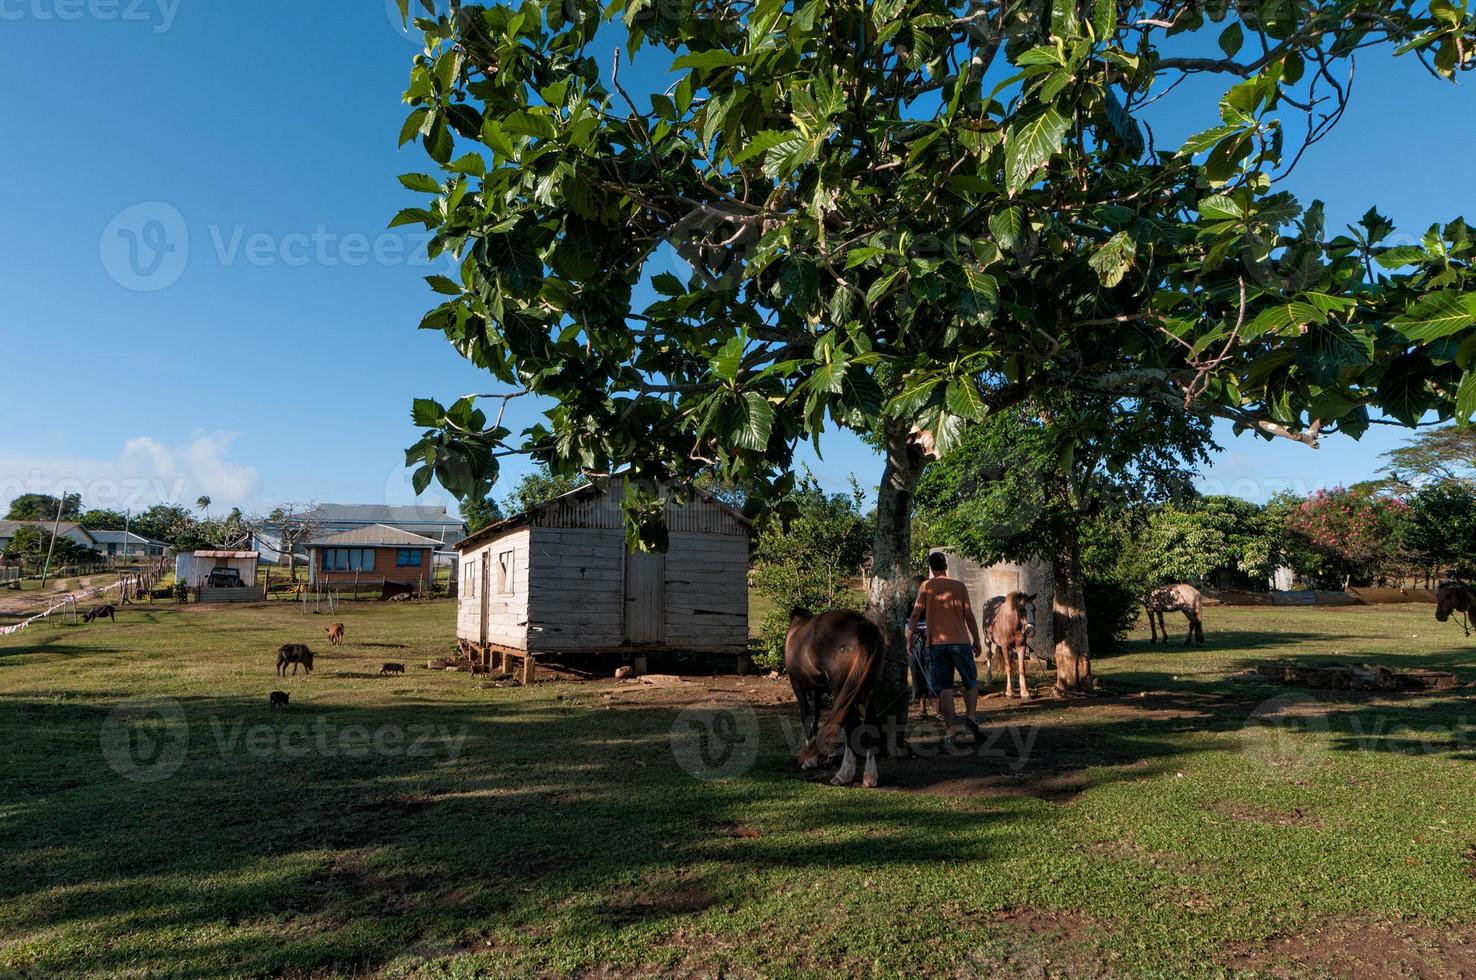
{"x": 899, "y": 216}
{"x": 45, "y": 507}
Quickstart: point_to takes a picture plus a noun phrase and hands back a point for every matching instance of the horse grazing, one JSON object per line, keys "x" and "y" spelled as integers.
{"x": 1008, "y": 624}
{"x": 99, "y": 612}
{"x": 335, "y": 634}
{"x": 840, "y": 653}
{"x": 1176, "y": 598}
{"x": 294, "y": 654}
{"x": 1455, "y": 597}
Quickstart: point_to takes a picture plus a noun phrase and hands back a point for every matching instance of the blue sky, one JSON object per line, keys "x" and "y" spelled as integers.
{"x": 272, "y": 352}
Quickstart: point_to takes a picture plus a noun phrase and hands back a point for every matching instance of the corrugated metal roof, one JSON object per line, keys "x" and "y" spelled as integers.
{"x": 383, "y": 513}
{"x": 375, "y": 535}
{"x": 8, "y": 528}
{"x": 225, "y": 554}
{"x": 593, "y": 506}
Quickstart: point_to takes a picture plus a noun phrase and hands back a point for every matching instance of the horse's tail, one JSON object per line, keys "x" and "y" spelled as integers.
{"x": 857, "y": 679}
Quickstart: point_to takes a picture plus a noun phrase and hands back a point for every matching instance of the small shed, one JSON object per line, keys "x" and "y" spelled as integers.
{"x": 377, "y": 553}
{"x": 559, "y": 579}
{"x": 194, "y": 568}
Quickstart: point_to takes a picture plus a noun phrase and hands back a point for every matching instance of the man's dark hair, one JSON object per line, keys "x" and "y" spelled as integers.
{"x": 938, "y": 561}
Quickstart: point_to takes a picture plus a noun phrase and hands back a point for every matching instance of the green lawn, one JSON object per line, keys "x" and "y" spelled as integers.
{"x": 425, "y": 825}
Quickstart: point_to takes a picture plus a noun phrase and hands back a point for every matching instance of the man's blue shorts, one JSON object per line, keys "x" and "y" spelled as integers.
{"x": 947, "y": 656}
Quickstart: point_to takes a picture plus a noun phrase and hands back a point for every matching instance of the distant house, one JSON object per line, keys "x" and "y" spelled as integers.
{"x": 559, "y": 579}
{"x": 70, "y": 530}
{"x": 120, "y": 544}
{"x": 433, "y": 522}
{"x": 377, "y": 553}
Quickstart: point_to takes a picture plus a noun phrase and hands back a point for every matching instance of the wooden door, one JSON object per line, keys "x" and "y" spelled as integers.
{"x": 485, "y": 598}
{"x": 645, "y": 597}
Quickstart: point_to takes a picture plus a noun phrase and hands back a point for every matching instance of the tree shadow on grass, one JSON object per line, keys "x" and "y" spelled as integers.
{"x": 334, "y": 837}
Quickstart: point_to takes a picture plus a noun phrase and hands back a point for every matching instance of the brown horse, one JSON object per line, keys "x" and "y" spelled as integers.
{"x": 1175, "y": 598}
{"x": 1455, "y": 597}
{"x": 1008, "y": 625}
{"x": 839, "y": 653}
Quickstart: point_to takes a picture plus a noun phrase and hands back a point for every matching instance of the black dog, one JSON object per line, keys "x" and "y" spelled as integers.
{"x": 392, "y": 669}
{"x": 278, "y": 699}
{"x": 294, "y": 654}
{"x": 99, "y": 613}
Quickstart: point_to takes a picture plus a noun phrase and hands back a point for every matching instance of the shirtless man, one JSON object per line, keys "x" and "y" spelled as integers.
{"x": 953, "y": 641}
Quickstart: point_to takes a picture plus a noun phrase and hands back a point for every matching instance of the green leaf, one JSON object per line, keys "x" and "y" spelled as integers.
{"x": 1113, "y": 260}
{"x": 1278, "y": 318}
{"x": 1029, "y": 143}
{"x": 1231, "y": 38}
{"x": 1006, "y": 226}
{"x": 1104, "y": 19}
{"x": 423, "y": 183}
{"x": 758, "y": 422}
{"x": 443, "y": 285}
{"x": 763, "y": 142}
{"x": 1466, "y": 398}
{"x": 1437, "y": 315}
{"x": 1200, "y": 142}
{"x": 427, "y": 413}
{"x": 1218, "y": 207}
{"x": 729, "y": 359}
{"x": 1401, "y": 391}
{"x": 668, "y": 285}
{"x": 962, "y": 399}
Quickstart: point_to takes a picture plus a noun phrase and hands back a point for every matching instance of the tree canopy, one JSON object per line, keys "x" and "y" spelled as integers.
{"x": 904, "y": 214}
{"x": 44, "y": 507}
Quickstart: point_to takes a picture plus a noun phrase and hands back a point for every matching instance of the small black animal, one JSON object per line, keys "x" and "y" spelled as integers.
{"x": 392, "y": 669}
{"x": 294, "y": 654}
{"x": 279, "y": 699}
{"x": 98, "y": 613}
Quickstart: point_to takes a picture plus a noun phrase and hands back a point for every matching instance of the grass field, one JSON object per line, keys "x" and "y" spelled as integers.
{"x": 426, "y": 825}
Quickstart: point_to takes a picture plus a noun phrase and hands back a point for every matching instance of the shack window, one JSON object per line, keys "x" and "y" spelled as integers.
{"x": 505, "y": 571}
{"x": 470, "y": 585}
{"x": 409, "y": 557}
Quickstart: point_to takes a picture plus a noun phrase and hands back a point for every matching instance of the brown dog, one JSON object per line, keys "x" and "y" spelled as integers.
{"x": 335, "y": 634}
{"x": 294, "y": 654}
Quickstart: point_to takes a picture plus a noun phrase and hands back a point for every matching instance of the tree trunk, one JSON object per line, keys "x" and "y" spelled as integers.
{"x": 890, "y": 589}
{"x": 1069, "y": 616}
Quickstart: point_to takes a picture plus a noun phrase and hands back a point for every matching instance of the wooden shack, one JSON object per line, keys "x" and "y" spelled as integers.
{"x": 559, "y": 579}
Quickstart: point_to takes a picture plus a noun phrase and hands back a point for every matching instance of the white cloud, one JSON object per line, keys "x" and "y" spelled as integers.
{"x": 145, "y": 472}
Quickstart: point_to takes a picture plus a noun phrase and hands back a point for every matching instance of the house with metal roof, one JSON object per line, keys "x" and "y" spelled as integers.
{"x": 377, "y": 553}
{"x": 70, "y": 530}
{"x": 126, "y": 544}
{"x": 433, "y": 522}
